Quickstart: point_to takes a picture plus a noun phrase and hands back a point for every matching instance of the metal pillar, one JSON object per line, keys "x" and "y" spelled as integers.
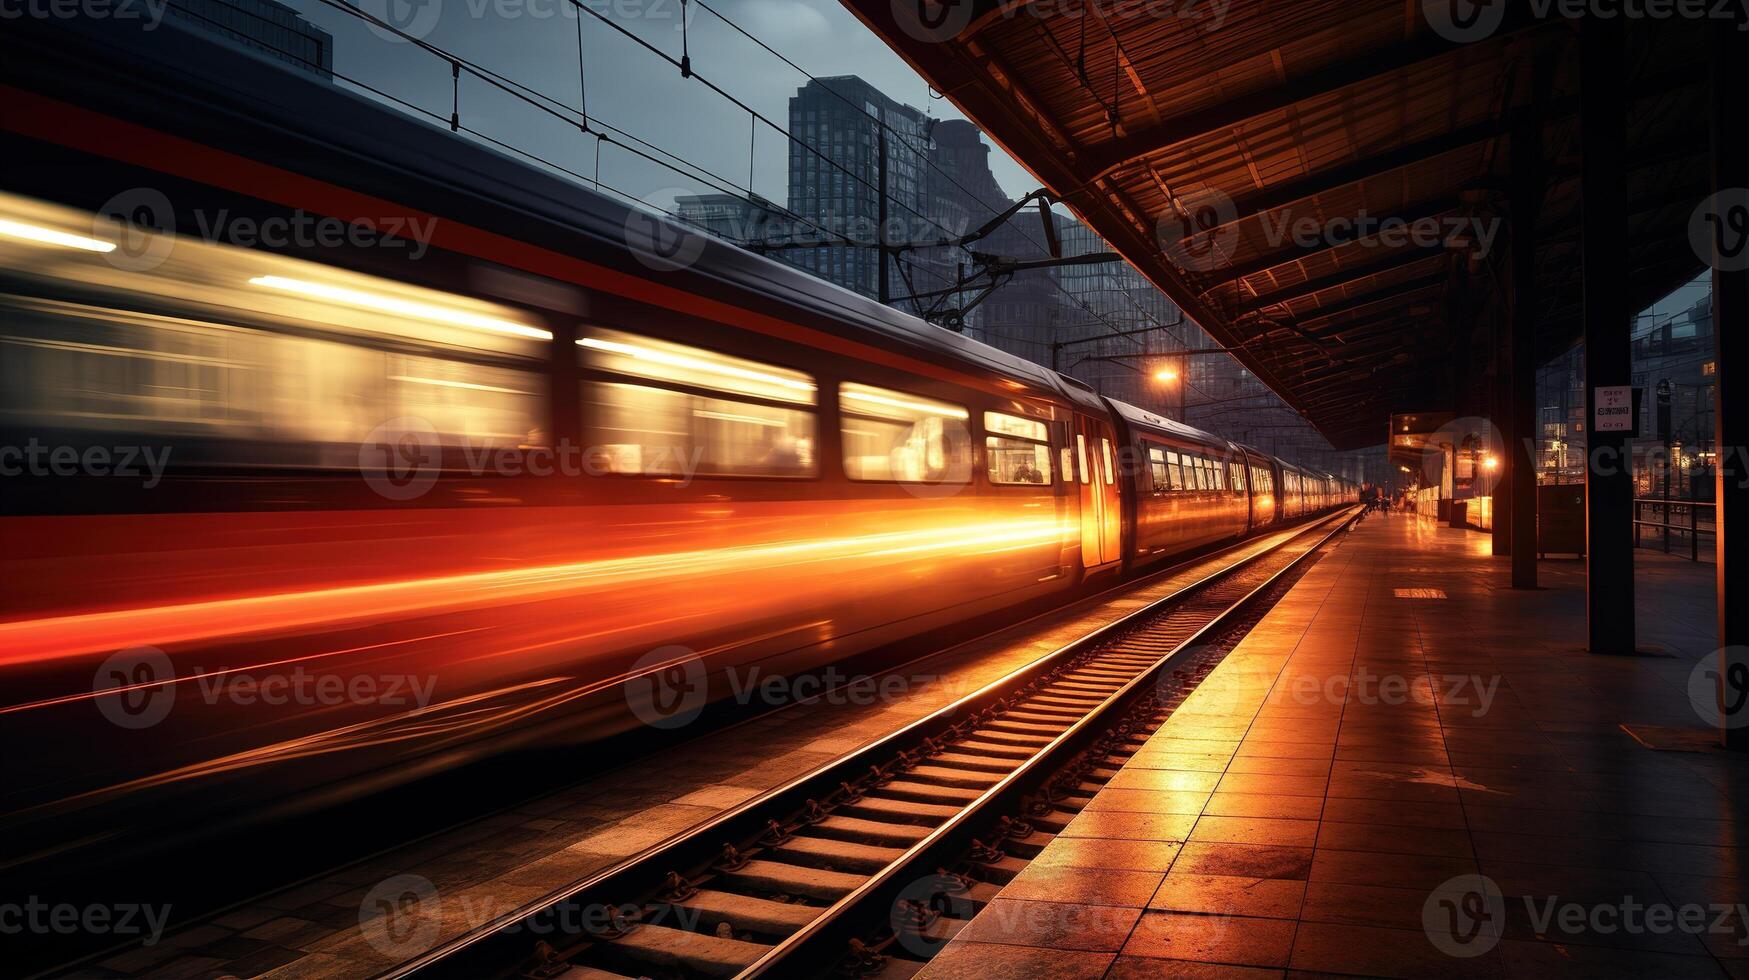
{"x": 1500, "y": 413}
{"x": 1730, "y": 207}
{"x": 1609, "y": 487}
{"x": 1517, "y": 456}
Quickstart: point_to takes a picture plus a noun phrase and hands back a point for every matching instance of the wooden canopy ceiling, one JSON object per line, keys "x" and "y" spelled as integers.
{"x": 1237, "y": 156}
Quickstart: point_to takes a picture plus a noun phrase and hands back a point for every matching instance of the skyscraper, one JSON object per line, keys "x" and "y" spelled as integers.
{"x": 265, "y": 26}
{"x": 837, "y": 169}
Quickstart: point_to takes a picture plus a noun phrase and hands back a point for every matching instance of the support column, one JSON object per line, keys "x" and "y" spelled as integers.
{"x": 1730, "y": 207}
{"x": 1609, "y": 486}
{"x": 1500, "y": 413}
{"x": 1517, "y": 456}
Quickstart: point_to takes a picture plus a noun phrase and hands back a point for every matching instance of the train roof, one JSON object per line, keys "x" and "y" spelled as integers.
{"x": 1144, "y": 419}
{"x": 230, "y": 97}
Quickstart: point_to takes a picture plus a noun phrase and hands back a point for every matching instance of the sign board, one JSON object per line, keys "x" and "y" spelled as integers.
{"x": 1613, "y": 409}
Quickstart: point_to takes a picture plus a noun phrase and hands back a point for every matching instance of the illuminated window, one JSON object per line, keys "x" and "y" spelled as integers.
{"x": 258, "y": 358}
{"x": 1157, "y": 472}
{"x": 645, "y": 431}
{"x": 1709, "y": 368}
{"x": 1021, "y": 455}
{"x": 1081, "y": 454}
{"x": 1068, "y": 465}
{"x": 251, "y": 396}
{"x": 1105, "y": 454}
{"x": 1176, "y": 464}
{"x": 894, "y": 435}
{"x": 683, "y": 425}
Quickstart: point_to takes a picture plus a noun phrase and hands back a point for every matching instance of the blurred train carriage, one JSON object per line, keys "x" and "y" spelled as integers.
{"x": 517, "y": 467}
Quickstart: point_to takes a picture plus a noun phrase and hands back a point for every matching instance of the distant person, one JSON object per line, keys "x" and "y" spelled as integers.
{"x": 1028, "y": 473}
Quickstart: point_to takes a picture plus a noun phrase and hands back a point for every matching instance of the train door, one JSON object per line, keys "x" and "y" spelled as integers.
{"x": 1101, "y": 510}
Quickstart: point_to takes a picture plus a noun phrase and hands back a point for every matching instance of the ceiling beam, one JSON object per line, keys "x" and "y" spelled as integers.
{"x": 1105, "y": 159}
{"x": 1397, "y": 259}
{"x": 1295, "y": 253}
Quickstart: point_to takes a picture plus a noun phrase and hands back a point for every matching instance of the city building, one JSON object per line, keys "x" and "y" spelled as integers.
{"x": 270, "y": 28}
{"x": 851, "y": 142}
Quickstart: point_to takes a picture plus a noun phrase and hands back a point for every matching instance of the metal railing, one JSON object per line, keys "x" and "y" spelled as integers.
{"x": 1666, "y": 525}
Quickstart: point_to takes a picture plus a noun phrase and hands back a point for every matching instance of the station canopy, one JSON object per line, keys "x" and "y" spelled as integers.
{"x": 1323, "y": 186}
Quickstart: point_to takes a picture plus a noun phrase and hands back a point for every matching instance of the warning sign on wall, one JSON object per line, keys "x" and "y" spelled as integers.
{"x": 1613, "y": 409}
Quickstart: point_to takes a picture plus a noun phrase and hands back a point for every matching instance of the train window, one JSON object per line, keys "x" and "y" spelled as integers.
{"x": 644, "y": 431}
{"x": 1015, "y": 461}
{"x": 1162, "y": 480}
{"x": 253, "y": 358}
{"x": 893, "y": 435}
{"x": 1068, "y": 465}
{"x": 1177, "y": 468}
{"x": 679, "y": 366}
{"x": 680, "y": 425}
{"x": 1081, "y": 455}
{"x": 997, "y": 423}
{"x": 1021, "y": 455}
{"x": 1105, "y": 454}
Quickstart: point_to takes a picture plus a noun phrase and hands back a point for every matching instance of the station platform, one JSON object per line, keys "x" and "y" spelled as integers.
{"x": 1409, "y": 770}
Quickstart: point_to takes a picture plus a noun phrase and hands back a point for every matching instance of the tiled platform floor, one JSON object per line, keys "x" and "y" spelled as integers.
{"x": 491, "y": 866}
{"x": 1308, "y": 808}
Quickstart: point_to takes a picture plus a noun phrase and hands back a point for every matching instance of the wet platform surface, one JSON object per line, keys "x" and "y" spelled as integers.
{"x": 466, "y": 877}
{"x": 1409, "y": 769}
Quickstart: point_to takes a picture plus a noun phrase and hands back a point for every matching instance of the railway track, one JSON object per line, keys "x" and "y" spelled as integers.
{"x": 871, "y": 863}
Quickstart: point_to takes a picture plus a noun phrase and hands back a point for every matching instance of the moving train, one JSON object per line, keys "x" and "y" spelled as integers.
{"x": 340, "y": 449}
